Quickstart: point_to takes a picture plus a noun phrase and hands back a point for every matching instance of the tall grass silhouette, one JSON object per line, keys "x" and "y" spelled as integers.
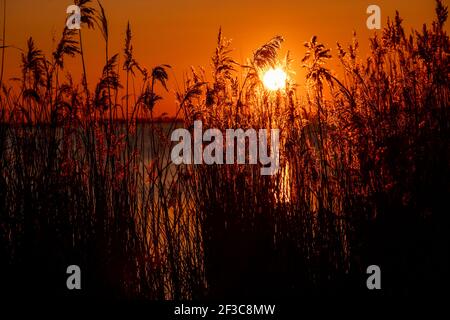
{"x": 86, "y": 176}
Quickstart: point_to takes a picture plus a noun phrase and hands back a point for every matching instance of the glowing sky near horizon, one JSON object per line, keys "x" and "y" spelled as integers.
{"x": 183, "y": 33}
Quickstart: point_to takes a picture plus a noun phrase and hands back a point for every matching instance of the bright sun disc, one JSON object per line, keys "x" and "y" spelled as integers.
{"x": 275, "y": 79}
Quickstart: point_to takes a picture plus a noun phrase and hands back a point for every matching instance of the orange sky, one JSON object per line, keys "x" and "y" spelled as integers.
{"x": 183, "y": 32}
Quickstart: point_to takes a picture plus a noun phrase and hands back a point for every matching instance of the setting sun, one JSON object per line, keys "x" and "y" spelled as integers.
{"x": 275, "y": 79}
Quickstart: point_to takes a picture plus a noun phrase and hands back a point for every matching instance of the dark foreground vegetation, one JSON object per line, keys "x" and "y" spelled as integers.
{"x": 364, "y": 175}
